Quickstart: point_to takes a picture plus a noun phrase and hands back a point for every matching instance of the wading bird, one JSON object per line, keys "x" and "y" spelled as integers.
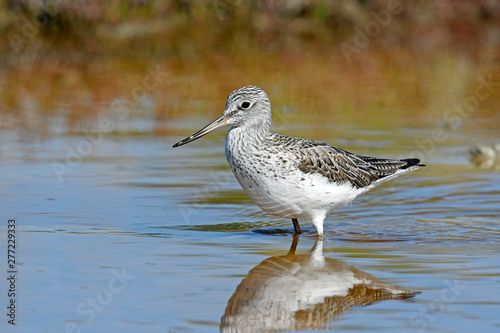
{"x": 292, "y": 177}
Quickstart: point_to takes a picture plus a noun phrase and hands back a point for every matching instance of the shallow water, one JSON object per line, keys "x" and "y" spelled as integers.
{"x": 133, "y": 235}
{"x": 180, "y": 227}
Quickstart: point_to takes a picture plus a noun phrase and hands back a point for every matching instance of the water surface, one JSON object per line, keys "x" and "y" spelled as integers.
{"x": 133, "y": 235}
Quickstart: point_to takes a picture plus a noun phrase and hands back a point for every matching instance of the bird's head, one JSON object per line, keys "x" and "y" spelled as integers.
{"x": 245, "y": 107}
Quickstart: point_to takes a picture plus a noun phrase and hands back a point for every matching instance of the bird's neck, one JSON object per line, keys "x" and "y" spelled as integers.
{"x": 251, "y": 134}
{"x": 245, "y": 140}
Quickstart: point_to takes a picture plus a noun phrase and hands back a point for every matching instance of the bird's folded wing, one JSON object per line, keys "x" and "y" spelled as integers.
{"x": 341, "y": 166}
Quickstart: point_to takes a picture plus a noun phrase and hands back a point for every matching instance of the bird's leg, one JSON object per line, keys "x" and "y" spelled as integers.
{"x": 296, "y": 226}
{"x": 295, "y": 241}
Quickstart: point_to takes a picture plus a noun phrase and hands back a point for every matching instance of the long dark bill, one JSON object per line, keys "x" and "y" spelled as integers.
{"x": 217, "y": 123}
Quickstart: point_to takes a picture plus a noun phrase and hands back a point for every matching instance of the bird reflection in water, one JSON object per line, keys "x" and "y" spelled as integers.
{"x": 306, "y": 291}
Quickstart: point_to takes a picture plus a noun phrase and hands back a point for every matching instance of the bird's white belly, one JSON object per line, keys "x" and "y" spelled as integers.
{"x": 298, "y": 195}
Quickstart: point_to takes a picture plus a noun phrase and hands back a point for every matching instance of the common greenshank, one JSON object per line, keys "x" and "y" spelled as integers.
{"x": 293, "y": 177}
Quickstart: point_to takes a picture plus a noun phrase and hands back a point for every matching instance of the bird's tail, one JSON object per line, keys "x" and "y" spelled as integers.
{"x": 411, "y": 162}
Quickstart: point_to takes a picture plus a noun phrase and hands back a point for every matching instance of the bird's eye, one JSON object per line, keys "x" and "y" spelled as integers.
{"x": 245, "y": 105}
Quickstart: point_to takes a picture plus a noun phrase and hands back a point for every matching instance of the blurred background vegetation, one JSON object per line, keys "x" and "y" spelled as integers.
{"x": 74, "y": 57}
{"x": 183, "y": 28}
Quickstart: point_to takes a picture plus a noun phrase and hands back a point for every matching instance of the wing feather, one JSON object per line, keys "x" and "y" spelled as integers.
{"x": 338, "y": 165}
{"x": 341, "y": 166}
